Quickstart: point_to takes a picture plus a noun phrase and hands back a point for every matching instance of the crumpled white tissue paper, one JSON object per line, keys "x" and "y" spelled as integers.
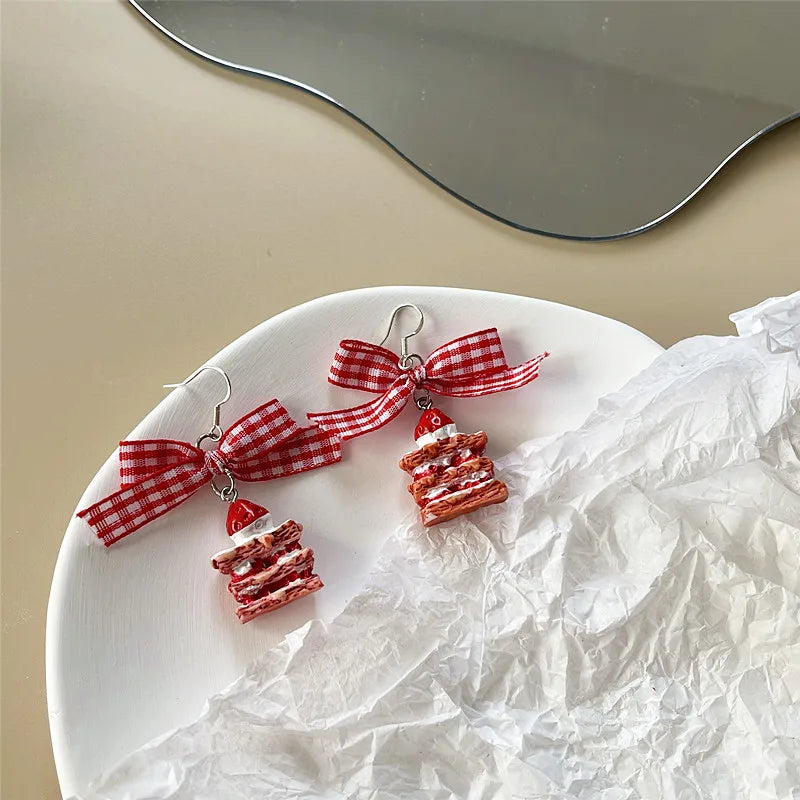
{"x": 627, "y": 625}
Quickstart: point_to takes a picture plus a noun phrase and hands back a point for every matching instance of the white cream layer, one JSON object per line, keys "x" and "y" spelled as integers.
{"x": 451, "y": 489}
{"x": 463, "y": 492}
{"x": 258, "y": 527}
{"x": 280, "y": 562}
{"x": 445, "y": 432}
{"x": 442, "y": 461}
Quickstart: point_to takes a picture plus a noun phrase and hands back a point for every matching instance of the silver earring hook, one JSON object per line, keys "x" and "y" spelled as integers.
{"x": 406, "y": 359}
{"x": 215, "y": 434}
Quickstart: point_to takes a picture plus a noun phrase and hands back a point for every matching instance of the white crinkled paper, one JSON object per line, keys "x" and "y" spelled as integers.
{"x": 627, "y": 625}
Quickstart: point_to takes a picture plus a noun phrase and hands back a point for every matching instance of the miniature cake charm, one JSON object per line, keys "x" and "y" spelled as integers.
{"x": 450, "y": 474}
{"x": 267, "y": 565}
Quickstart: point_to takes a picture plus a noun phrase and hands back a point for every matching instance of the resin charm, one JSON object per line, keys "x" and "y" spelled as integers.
{"x": 450, "y": 475}
{"x": 267, "y": 565}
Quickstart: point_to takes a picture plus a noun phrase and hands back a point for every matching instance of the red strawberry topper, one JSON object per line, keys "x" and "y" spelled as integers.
{"x": 431, "y": 421}
{"x": 243, "y": 513}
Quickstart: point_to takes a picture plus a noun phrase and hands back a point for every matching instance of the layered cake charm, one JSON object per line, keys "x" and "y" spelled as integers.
{"x": 267, "y": 565}
{"x": 450, "y": 475}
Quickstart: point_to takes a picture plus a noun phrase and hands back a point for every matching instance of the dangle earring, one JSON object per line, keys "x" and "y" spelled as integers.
{"x": 450, "y": 475}
{"x": 267, "y": 567}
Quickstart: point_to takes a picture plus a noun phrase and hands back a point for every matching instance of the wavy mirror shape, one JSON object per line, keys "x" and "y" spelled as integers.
{"x": 582, "y": 120}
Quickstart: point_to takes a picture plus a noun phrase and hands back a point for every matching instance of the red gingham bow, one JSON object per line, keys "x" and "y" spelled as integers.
{"x": 471, "y": 366}
{"x": 158, "y": 474}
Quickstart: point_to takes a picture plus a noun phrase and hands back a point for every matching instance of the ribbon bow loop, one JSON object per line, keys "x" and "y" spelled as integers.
{"x": 470, "y": 366}
{"x": 256, "y": 434}
{"x": 149, "y": 457}
{"x": 364, "y": 366}
{"x": 157, "y": 475}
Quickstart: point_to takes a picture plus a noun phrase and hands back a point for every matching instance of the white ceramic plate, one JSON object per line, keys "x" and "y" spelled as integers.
{"x": 139, "y": 635}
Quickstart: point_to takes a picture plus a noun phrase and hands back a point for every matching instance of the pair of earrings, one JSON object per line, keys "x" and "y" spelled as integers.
{"x": 266, "y": 565}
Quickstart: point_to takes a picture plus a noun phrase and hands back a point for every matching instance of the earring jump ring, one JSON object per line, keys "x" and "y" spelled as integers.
{"x": 214, "y": 435}
{"x": 227, "y": 493}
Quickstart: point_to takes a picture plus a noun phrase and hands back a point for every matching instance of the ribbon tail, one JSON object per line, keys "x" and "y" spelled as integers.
{"x": 348, "y": 423}
{"x": 309, "y": 449}
{"x": 491, "y": 382}
{"x": 120, "y": 514}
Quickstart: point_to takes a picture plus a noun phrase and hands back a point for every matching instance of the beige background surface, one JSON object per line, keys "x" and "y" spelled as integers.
{"x": 154, "y": 208}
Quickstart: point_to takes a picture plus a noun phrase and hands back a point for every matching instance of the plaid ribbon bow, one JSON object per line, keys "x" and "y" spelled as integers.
{"x": 471, "y": 366}
{"x": 156, "y": 475}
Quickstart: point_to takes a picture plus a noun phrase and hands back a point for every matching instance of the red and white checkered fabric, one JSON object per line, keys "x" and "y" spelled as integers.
{"x": 471, "y": 366}
{"x": 158, "y": 474}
